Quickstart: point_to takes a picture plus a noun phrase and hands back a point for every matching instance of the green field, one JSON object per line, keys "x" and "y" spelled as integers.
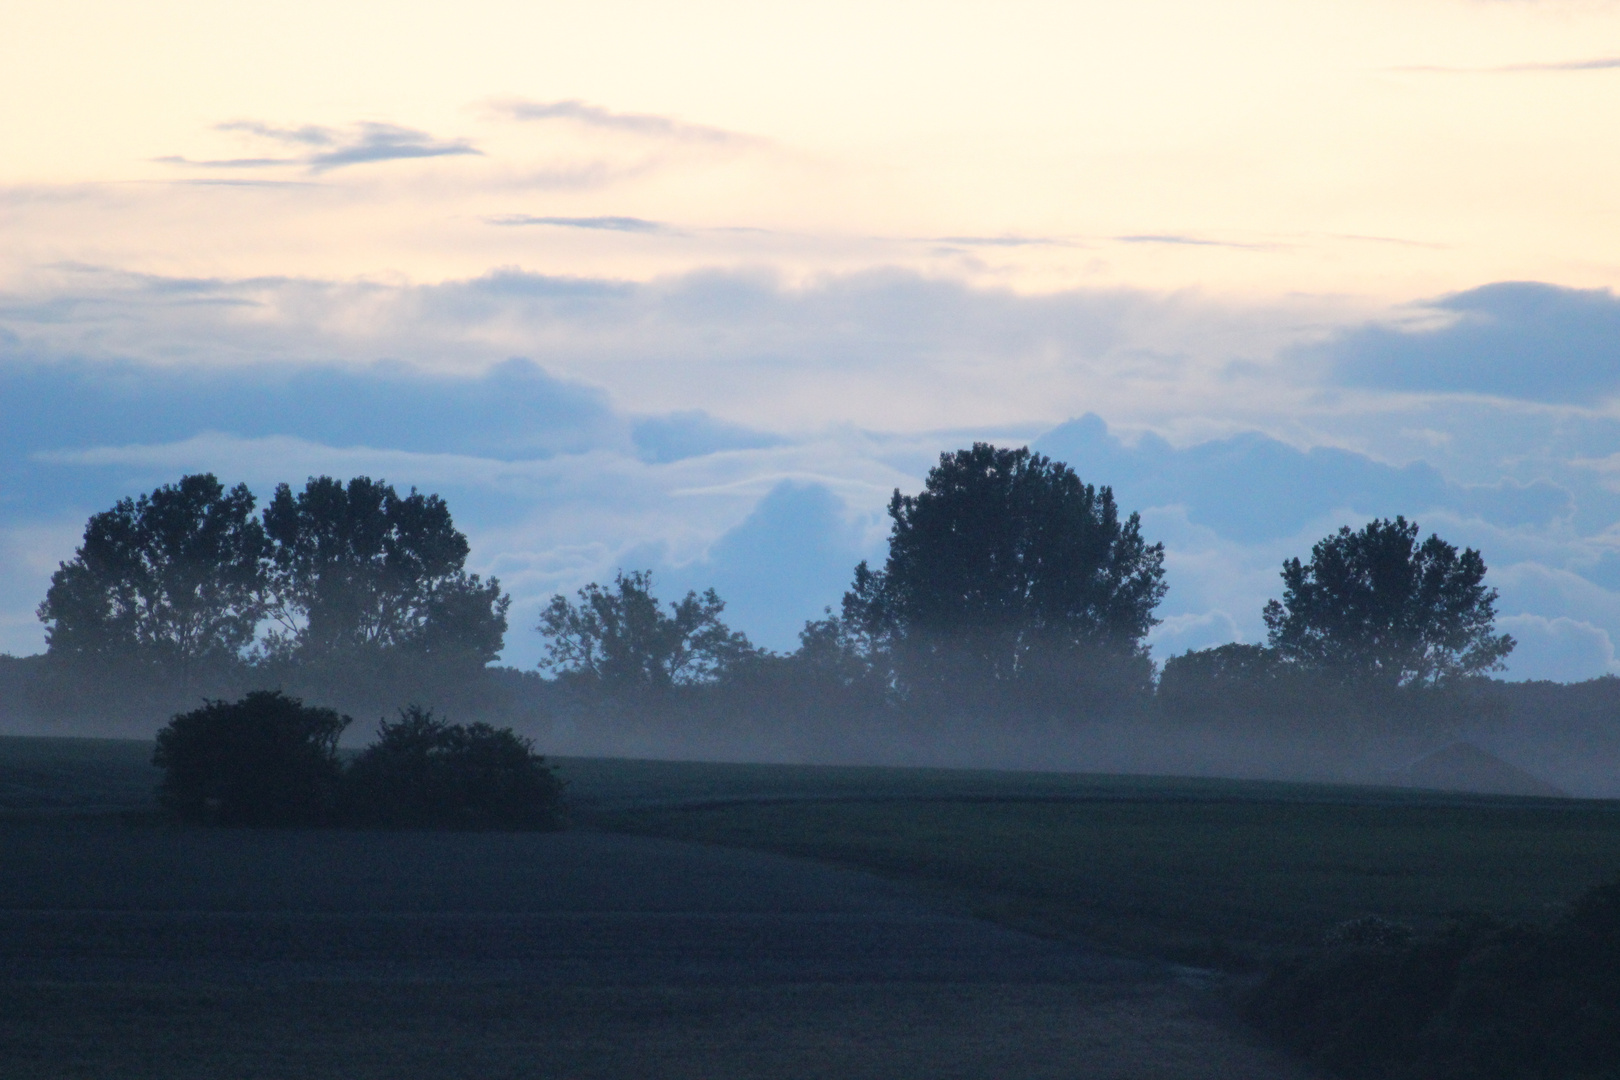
{"x": 1201, "y": 871}
{"x": 1223, "y": 880}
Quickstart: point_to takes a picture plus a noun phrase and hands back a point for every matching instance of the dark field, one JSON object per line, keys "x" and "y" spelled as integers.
{"x": 129, "y": 948}
{"x": 1222, "y": 878}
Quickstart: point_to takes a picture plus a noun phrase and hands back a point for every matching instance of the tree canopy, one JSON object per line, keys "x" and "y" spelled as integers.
{"x": 1376, "y": 605}
{"x": 1007, "y": 569}
{"x": 359, "y": 568}
{"x": 267, "y": 759}
{"x": 270, "y": 760}
{"x": 425, "y": 772}
{"x": 174, "y": 580}
{"x": 621, "y": 638}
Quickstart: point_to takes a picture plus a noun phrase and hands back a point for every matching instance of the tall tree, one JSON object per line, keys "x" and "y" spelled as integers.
{"x": 1377, "y": 606}
{"x": 173, "y": 581}
{"x": 359, "y": 569}
{"x": 623, "y": 640}
{"x": 1006, "y": 571}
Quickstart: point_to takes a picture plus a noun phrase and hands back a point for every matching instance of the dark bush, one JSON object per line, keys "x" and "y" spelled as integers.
{"x": 425, "y": 773}
{"x": 1480, "y": 1000}
{"x": 267, "y": 759}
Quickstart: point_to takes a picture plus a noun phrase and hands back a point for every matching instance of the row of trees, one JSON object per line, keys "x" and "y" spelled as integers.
{"x": 1011, "y": 588}
{"x": 189, "y": 589}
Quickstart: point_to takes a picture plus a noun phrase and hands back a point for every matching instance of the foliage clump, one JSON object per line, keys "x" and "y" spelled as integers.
{"x": 1376, "y": 605}
{"x": 271, "y": 760}
{"x": 1010, "y": 581}
{"x": 267, "y": 759}
{"x": 620, "y": 640}
{"x": 350, "y": 591}
{"x": 427, "y": 773}
{"x": 1478, "y": 1000}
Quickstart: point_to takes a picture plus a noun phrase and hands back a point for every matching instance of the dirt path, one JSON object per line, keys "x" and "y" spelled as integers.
{"x": 177, "y": 953}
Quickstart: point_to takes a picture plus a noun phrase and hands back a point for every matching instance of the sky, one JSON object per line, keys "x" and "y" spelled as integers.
{"x": 694, "y": 287}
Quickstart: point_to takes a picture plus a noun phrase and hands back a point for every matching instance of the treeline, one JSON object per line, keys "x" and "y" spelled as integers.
{"x": 1012, "y": 611}
{"x": 348, "y": 593}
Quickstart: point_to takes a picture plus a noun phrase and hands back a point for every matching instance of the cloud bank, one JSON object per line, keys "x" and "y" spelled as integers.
{"x": 730, "y": 429}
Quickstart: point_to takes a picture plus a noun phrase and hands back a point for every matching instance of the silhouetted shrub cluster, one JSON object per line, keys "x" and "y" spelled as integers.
{"x": 264, "y": 760}
{"x": 425, "y": 773}
{"x": 271, "y": 760}
{"x": 1479, "y": 1000}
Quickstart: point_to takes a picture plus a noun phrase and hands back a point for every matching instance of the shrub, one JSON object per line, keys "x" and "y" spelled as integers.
{"x": 1480, "y": 1000}
{"x": 267, "y": 759}
{"x": 423, "y": 772}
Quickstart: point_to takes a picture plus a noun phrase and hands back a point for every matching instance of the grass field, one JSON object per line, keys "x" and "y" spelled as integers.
{"x": 130, "y": 947}
{"x": 1196, "y": 870}
{"x": 1222, "y": 880}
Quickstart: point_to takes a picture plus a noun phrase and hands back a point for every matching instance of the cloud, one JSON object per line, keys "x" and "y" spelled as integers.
{"x": 1602, "y": 63}
{"x": 789, "y": 559}
{"x": 1521, "y": 340}
{"x": 1560, "y": 649}
{"x": 1202, "y": 630}
{"x": 1191, "y": 241}
{"x": 514, "y": 410}
{"x": 326, "y": 148}
{"x": 224, "y": 163}
{"x": 1001, "y": 241}
{"x": 694, "y": 433}
{"x": 306, "y": 135}
{"x": 1251, "y": 487}
{"x": 743, "y": 344}
{"x": 645, "y": 125}
{"x": 611, "y": 224}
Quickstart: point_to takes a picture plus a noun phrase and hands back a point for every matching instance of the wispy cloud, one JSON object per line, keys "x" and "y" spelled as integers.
{"x": 1191, "y": 241}
{"x": 308, "y": 135}
{"x": 326, "y": 148}
{"x": 1002, "y": 241}
{"x": 647, "y": 125}
{"x": 609, "y": 223}
{"x": 1602, "y": 63}
{"x": 224, "y": 163}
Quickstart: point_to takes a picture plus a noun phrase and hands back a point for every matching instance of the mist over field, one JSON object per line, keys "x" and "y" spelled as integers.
{"x": 725, "y": 539}
{"x": 672, "y": 307}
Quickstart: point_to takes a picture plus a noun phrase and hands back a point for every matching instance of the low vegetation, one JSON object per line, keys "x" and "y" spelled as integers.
{"x": 1212, "y": 873}
{"x": 271, "y": 760}
{"x": 1391, "y": 933}
{"x": 1479, "y": 999}
{"x": 423, "y": 773}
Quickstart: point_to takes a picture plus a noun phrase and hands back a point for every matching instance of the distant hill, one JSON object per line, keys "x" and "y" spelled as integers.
{"x": 1462, "y": 766}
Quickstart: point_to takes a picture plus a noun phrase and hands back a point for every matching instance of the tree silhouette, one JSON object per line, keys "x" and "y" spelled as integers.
{"x": 1376, "y": 606}
{"x": 1006, "y": 572}
{"x": 173, "y": 581}
{"x": 359, "y": 569}
{"x": 621, "y": 639}
{"x": 423, "y": 772}
{"x": 264, "y": 760}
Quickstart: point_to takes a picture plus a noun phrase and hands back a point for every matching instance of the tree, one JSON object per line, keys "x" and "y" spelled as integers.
{"x": 265, "y": 760}
{"x": 621, "y": 639}
{"x": 173, "y": 580}
{"x": 1375, "y": 606}
{"x": 1007, "y": 572}
{"x": 358, "y": 569}
{"x": 423, "y": 772}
